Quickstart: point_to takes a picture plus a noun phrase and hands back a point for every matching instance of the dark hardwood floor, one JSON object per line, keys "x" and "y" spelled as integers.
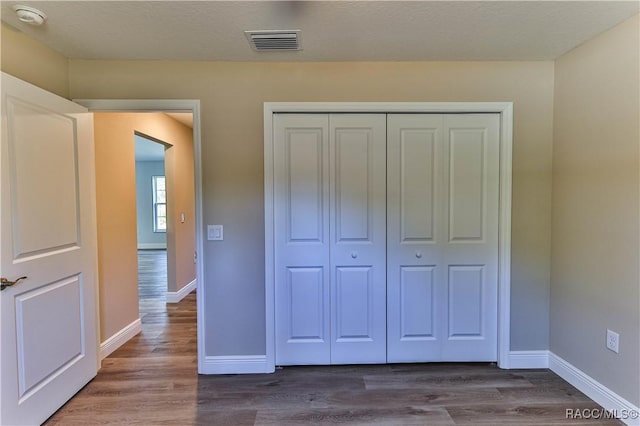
{"x": 152, "y": 274}
{"x": 153, "y": 380}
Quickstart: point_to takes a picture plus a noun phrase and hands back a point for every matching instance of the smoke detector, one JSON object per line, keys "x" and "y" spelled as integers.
{"x": 274, "y": 40}
{"x": 30, "y": 15}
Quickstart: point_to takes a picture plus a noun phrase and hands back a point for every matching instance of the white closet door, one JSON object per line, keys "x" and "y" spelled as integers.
{"x": 443, "y": 177}
{"x": 472, "y": 151}
{"x": 416, "y": 227}
{"x": 358, "y": 238}
{"x": 301, "y": 211}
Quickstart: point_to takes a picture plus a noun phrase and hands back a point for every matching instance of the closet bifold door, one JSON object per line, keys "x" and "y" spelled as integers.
{"x": 358, "y": 238}
{"x": 415, "y": 226}
{"x": 442, "y": 206}
{"x": 330, "y": 238}
{"x": 301, "y": 216}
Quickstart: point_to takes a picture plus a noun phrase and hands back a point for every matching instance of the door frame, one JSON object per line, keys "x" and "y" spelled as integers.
{"x": 173, "y": 105}
{"x": 505, "y": 109}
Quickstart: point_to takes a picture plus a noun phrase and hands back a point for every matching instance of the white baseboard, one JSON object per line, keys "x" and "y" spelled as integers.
{"x": 120, "y": 338}
{"x": 595, "y": 390}
{"x": 152, "y": 246}
{"x": 176, "y": 296}
{"x": 529, "y": 359}
{"x": 239, "y": 364}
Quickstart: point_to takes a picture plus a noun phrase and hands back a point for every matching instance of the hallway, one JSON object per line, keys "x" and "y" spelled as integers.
{"x": 152, "y": 285}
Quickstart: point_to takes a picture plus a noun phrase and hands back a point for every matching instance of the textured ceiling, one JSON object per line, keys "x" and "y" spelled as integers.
{"x": 331, "y": 30}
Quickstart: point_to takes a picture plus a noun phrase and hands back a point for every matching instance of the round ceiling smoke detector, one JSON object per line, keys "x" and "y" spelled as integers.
{"x": 29, "y": 15}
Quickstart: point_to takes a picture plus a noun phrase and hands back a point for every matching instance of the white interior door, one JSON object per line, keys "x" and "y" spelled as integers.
{"x": 301, "y": 212}
{"x": 443, "y": 181}
{"x": 358, "y": 238}
{"x": 48, "y": 235}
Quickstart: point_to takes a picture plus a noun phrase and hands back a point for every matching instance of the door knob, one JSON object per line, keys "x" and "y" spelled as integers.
{"x": 354, "y": 254}
{"x": 418, "y": 254}
{"x": 4, "y": 283}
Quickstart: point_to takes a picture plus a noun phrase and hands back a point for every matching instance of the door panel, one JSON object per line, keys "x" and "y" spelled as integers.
{"x": 306, "y": 307}
{"x": 442, "y": 203}
{"x": 305, "y": 182}
{"x": 301, "y": 212}
{"x": 58, "y": 311}
{"x": 353, "y": 184}
{"x": 354, "y": 299}
{"x": 472, "y": 145}
{"x": 417, "y": 301}
{"x": 358, "y": 238}
{"x": 415, "y": 329}
{"x": 46, "y": 153}
{"x": 466, "y": 184}
{"x": 48, "y": 234}
{"x": 465, "y": 301}
{"x": 417, "y": 183}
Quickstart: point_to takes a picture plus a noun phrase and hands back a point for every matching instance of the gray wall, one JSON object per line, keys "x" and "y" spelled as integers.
{"x": 232, "y": 96}
{"x": 595, "y": 249}
{"x": 144, "y": 203}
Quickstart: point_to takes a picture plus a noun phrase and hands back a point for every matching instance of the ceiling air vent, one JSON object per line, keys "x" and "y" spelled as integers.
{"x": 274, "y": 40}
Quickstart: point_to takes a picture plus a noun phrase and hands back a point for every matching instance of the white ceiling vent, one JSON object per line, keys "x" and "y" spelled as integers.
{"x": 274, "y": 40}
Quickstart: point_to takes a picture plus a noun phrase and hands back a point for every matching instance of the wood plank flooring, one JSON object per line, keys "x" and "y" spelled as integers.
{"x": 153, "y": 380}
{"x": 152, "y": 274}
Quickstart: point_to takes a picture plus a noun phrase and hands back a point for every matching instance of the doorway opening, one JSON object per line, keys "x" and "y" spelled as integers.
{"x": 174, "y": 123}
{"x": 151, "y": 209}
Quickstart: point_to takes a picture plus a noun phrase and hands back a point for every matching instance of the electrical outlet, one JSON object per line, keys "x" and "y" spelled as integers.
{"x": 613, "y": 341}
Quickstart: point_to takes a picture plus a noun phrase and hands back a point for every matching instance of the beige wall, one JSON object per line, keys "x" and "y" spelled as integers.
{"x": 180, "y": 173}
{"x": 232, "y": 96}
{"x": 116, "y": 205}
{"x": 595, "y": 250}
{"x": 33, "y": 62}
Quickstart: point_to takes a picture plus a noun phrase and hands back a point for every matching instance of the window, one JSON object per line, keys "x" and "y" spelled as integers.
{"x": 159, "y": 204}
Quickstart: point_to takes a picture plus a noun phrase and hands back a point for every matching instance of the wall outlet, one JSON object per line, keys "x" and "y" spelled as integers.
{"x": 613, "y": 341}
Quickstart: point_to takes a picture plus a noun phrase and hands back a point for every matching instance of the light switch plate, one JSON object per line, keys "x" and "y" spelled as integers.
{"x": 215, "y": 233}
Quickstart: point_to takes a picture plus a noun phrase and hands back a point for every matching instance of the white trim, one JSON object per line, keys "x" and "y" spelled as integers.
{"x": 176, "y": 296}
{"x": 595, "y": 390}
{"x": 529, "y": 359}
{"x": 505, "y": 109}
{"x": 174, "y": 105}
{"x": 504, "y": 236}
{"x": 152, "y": 246}
{"x": 235, "y": 364}
{"x": 120, "y": 338}
{"x": 388, "y": 107}
{"x": 269, "y": 241}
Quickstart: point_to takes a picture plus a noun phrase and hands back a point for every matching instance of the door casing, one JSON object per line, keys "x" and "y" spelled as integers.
{"x": 505, "y": 109}
{"x": 173, "y": 105}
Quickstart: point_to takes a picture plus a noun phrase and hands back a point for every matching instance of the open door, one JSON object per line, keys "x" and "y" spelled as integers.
{"x": 48, "y": 264}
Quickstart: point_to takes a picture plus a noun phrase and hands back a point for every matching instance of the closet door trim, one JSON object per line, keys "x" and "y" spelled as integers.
{"x": 505, "y": 109}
